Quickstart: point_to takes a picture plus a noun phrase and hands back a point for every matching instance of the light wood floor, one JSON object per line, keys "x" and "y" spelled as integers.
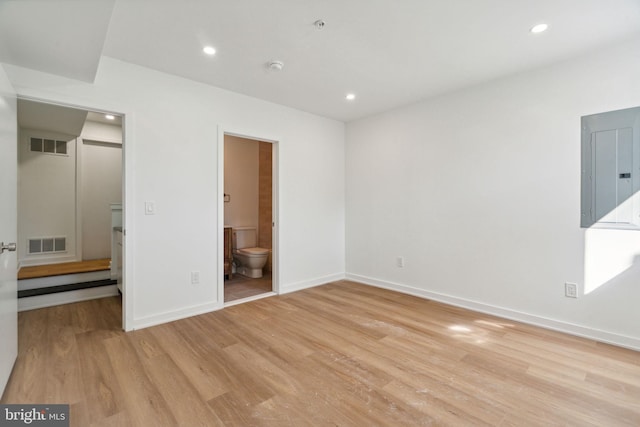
{"x": 243, "y": 287}
{"x": 342, "y": 354}
{"x": 63, "y": 268}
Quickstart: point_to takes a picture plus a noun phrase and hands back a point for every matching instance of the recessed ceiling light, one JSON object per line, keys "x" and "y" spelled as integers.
{"x": 539, "y": 28}
{"x": 109, "y": 117}
{"x": 350, "y": 96}
{"x": 209, "y": 50}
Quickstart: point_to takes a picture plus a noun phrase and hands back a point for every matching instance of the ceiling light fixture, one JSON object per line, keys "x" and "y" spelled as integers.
{"x": 540, "y": 28}
{"x": 209, "y": 50}
{"x": 109, "y": 117}
{"x": 320, "y": 24}
{"x": 350, "y": 96}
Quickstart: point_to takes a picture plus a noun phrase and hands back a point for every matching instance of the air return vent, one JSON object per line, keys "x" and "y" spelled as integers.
{"x": 47, "y": 245}
{"x": 51, "y": 146}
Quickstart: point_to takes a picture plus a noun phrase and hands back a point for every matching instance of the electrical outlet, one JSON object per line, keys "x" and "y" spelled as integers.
{"x": 400, "y": 262}
{"x": 571, "y": 290}
{"x": 195, "y": 277}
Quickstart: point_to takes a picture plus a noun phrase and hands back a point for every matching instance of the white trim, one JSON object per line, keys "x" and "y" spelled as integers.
{"x": 43, "y": 258}
{"x": 128, "y": 265}
{"x": 306, "y": 284}
{"x": 79, "y": 177}
{"x": 275, "y": 216}
{"x": 102, "y": 142}
{"x": 543, "y": 322}
{"x": 170, "y": 316}
{"x": 220, "y": 213}
{"x": 68, "y": 297}
{"x": 248, "y": 299}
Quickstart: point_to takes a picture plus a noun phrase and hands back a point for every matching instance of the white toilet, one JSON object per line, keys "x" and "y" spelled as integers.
{"x": 248, "y": 258}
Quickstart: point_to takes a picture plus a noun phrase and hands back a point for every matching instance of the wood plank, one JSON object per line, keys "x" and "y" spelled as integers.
{"x": 36, "y": 271}
{"x": 339, "y": 354}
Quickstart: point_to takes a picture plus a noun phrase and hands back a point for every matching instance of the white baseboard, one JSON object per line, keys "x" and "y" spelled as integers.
{"x": 170, "y": 316}
{"x": 285, "y": 289}
{"x": 49, "y": 300}
{"x": 543, "y": 322}
{"x": 160, "y": 318}
{"x": 46, "y": 260}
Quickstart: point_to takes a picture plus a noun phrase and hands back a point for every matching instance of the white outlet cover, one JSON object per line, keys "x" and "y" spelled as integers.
{"x": 195, "y": 277}
{"x": 571, "y": 290}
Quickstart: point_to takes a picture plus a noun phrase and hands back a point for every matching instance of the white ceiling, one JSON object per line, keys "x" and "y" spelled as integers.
{"x": 48, "y": 117}
{"x": 389, "y": 53}
{"x": 55, "y": 118}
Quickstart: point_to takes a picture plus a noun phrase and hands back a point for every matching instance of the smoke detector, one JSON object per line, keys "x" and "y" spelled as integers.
{"x": 319, "y": 24}
{"x": 275, "y": 65}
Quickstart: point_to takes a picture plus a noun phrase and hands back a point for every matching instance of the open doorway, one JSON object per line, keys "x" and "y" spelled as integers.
{"x": 249, "y": 195}
{"x": 70, "y": 194}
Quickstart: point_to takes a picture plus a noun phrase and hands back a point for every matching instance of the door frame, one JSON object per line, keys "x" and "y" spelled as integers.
{"x": 275, "y": 204}
{"x": 127, "y": 195}
{"x": 8, "y": 260}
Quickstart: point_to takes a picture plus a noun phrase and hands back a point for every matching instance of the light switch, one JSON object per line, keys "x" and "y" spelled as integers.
{"x": 149, "y": 208}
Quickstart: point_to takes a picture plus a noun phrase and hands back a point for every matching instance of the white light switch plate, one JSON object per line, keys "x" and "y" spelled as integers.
{"x": 149, "y": 208}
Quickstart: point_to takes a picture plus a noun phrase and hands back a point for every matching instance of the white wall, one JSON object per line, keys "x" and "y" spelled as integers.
{"x": 171, "y": 157}
{"x": 241, "y": 181}
{"x": 103, "y": 132}
{"x": 479, "y": 191}
{"x": 100, "y": 152}
{"x": 46, "y": 198}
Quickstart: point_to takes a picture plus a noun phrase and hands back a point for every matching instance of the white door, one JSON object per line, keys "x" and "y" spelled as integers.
{"x": 8, "y": 230}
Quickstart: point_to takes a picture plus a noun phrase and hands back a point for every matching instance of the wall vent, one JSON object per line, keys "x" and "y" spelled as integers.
{"x": 47, "y": 245}
{"x": 50, "y": 146}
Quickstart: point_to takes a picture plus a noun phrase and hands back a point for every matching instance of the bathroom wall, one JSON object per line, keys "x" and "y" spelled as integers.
{"x": 241, "y": 181}
{"x": 265, "y": 202}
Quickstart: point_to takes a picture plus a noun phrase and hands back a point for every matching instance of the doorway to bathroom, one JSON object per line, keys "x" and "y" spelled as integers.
{"x": 248, "y": 209}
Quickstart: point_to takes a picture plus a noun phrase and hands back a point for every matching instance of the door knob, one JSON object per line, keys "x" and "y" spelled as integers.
{"x": 11, "y": 247}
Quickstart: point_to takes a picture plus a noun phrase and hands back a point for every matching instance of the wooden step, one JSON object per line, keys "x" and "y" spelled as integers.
{"x": 49, "y": 270}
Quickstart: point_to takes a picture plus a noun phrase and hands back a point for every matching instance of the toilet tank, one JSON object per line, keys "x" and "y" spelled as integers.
{"x": 244, "y": 237}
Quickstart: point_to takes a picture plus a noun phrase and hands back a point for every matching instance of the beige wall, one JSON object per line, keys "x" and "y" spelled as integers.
{"x": 241, "y": 181}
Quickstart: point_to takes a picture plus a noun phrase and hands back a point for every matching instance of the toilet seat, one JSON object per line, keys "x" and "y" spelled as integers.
{"x": 253, "y": 251}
